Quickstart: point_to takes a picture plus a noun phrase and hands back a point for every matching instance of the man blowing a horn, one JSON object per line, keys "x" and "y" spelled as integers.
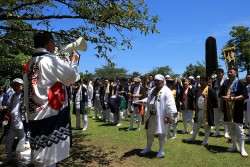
{"x": 45, "y": 79}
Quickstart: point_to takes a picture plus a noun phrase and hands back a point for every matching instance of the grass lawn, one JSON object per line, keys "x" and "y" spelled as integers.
{"x": 107, "y": 145}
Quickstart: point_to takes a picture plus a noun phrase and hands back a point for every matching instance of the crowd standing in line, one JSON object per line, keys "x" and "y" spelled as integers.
{"x": 163, "y": 100}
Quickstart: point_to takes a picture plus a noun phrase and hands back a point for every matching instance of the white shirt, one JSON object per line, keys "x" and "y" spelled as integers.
{"x": 1, "y": 99}
{"x": 136, "y": 92}
{"x": 201, "y": 103}
{"x": 78, "y": 98}
{"x": 165, "y": 107}
{"x": 90, "y": 90}
{"x": 15, "y": 114}
{"x": 10, "y": 91}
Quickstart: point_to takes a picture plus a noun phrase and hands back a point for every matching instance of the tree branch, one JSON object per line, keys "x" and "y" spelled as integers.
{"x": 25, "y": 4}
{"x": 5, "y": 17}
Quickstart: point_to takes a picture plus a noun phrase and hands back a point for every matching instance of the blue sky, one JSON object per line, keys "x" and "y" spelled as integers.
{"x": 184, "y": 27}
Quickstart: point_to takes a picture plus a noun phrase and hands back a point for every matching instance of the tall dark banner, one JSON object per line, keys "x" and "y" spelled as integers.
{"x": 211, "y": 56}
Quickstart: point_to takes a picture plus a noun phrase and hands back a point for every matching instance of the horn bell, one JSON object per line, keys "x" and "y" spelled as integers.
{"x": 79, "y": 44}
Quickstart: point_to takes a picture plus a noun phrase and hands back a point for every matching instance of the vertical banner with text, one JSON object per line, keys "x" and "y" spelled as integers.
{"x": 230, "y": 59}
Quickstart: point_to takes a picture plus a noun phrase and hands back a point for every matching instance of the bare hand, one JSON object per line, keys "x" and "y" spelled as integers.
{"x": 227, "y": 98}
{"x": 166, "y": 120}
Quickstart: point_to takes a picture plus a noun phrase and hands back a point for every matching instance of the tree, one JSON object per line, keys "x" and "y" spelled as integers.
{"x": 12, "y": 65}
{"x": 89, "y": 76}
{"x": 241, "y": 41}
{"x": 161, "y": 70}
{"x": 135, "y": 74}
{"x": 110, "y": 72}
{"x": 101, "y": 23}
{"x": 195, "y": 70}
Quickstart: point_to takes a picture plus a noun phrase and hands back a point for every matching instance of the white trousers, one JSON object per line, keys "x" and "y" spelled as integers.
{"x": 236, "y": 129}
{"x": 78, "y": 120}
{"x": 187, "y": 116}
{"x": 97, "y": 106}
{"x": 8, "y": 140}
{"x": 106, "y": 115}
{"x": 132, "y": 115}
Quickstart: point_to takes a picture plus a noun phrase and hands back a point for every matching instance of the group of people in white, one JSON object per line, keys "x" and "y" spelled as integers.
{"x": 201, "y": 101}
{"x": 37, "y": 106}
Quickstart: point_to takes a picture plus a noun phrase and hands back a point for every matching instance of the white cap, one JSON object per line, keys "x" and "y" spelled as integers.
{"x": 167, "y": 76}
{"x": 191, "y": 77}
{"x": 137, "y": 79}
{"x": 159, "y": 77}
{"x": 198, "y": 77}
{"x": 18, "y": 80}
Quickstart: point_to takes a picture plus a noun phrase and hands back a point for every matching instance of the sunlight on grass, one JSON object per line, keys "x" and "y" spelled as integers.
{"x": 118, "y": 147}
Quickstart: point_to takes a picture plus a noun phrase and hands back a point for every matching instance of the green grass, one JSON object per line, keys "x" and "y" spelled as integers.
{"x": 106, "y": 145}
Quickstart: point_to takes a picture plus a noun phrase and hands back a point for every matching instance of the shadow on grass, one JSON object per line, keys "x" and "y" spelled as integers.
{"x": 210, "y": 148}
{"x": 217, "y": 149}
{"x": 107, "y": 124}
{"x": 136, "y": 152}
{"x": 82, "y": 154}
{"x": 196, "y": 142}
{"x": 126, "y": 129}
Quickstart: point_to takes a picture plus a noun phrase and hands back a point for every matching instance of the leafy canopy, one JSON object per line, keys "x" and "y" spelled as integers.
{"x": 101, "y": 22}
{"x": 195, "y": 70}
{"x": 241, "y": 41}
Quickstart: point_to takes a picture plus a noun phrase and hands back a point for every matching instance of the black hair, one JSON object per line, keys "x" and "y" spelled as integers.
{"x": 204, "y": 77}
{"x": 123, "y": 79}
{"x": 42, "y": 38}
{"x": 233, "y": 68}
{"x": 220, "y": 70}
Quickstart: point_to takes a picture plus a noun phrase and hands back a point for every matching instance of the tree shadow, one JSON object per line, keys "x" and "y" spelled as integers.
{"x": 82, "y": 154}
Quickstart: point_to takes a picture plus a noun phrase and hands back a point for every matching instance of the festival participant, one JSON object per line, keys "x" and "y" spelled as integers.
{"x": 106, "y": 93}
{"x": 96, "y": 98}
{"x": 122, "y": 91}
{"x": 187, "y": 104}
{"x": 137, "y": 93}
{"x": 248, "y": 104}
{"x": 10, "y": 91}
{"x": 3, "y": 103}
{"x": 197, "y": 82}
{"x": 150, "y": 83}
{"x": 179, "y": 88}
{"x": 90, "y": 89}
{"x": 129, "y": 88}
{"x": 161, "y": 108}
{"x": 46, "y": 100}
{"x": 233, "y": 93}
{"x": 218, "y": 115}
{"x": 174, "y": 121}
{"x": 15, "y": 124}
{"x": 80, "y": 99}
{"x": 206, "y": 103}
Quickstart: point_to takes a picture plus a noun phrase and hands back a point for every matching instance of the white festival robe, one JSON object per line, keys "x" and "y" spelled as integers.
{"x": 45, "y": 79}
{"x": 165, "y": 107}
